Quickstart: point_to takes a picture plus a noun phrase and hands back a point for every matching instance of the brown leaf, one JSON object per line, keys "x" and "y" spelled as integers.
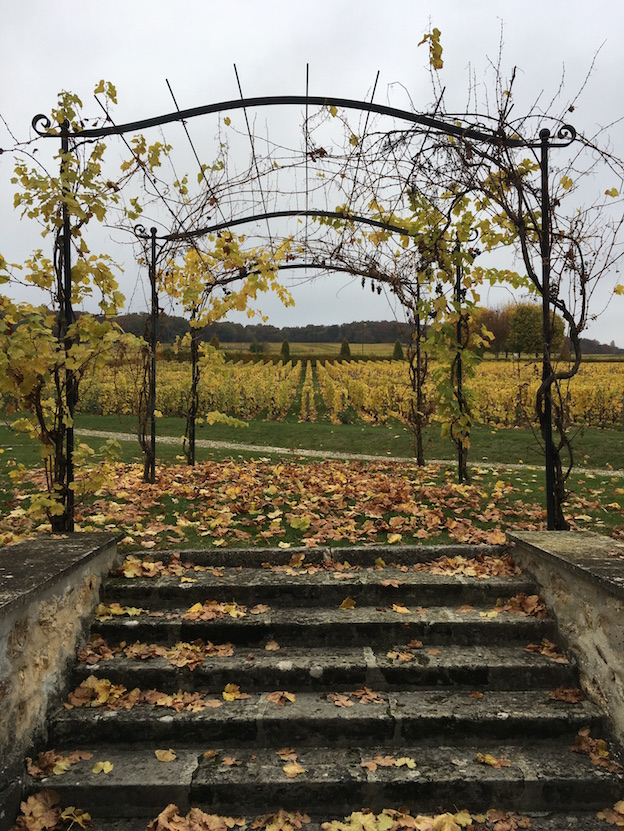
{"x": 281, "y": 697}
{"x": 231, "y": 761}
{"x": 570, "y": 694}
{"x": 287, "y": 754}
{"x": 340, "y": 700}
{"x": 348, "y": 603}
{"x": 403, "y": 657}
{"x": 401, "y": 610}
{"x": 368, "y": 696}
{"x": 272, "y": 646}
{"x": 488, "y": 759}
{"x": 548, "y": 649}
{"x": 259, "y": 609}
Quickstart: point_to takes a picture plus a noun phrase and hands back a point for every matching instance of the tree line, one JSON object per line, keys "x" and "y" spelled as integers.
{"x": 516, "y": 328}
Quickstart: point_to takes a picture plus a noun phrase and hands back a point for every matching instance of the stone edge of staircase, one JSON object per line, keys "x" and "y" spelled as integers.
{"x": 49, "y": 587}
{"x": 581, "y": 578}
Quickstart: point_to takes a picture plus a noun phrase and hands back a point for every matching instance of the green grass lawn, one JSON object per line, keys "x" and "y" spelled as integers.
{"x": 593, "y": 447}
{"x": 172, "y": 513}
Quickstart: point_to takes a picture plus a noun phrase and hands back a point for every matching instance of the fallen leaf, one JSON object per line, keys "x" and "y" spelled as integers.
{"x": 232, "y": 693}
{"x": 165, "y": 755}
{"x": 281, "y": 697}
{"x": 403, "y": 657}
{"x": 272, "y": 646}
{"x": 405, "y": 761}
{"x": 292, "y": 769}
{"x": 340, "y": 700}
{"x": 210, "y": 754}
{"x": 231, "y": 761}
{"x": 103, "y": 767}
{"x": 401, "y": 610}
{"x": 287, "y": 754}
{"x": 488, "y": 759}
{"x": 572, "y": 695}
{"x": 348, "y": 603}
{"x": 548, "y": 649}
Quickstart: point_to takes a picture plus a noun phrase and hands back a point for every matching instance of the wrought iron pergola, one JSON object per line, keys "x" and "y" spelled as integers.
{"x": 564, "y": 137}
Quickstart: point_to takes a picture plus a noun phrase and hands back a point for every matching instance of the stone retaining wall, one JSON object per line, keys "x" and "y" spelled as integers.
{"x": 49, "y": 587}
{"x": 581, "y": 575}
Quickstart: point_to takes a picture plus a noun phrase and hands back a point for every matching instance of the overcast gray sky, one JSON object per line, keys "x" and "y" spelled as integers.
{"x": 136, "y": 44}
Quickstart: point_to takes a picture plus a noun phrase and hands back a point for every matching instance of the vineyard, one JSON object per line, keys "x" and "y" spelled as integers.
{"x": 502, "y": 393}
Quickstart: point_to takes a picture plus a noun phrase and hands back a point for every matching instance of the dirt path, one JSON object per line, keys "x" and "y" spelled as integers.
{"x": 320, "y": 454}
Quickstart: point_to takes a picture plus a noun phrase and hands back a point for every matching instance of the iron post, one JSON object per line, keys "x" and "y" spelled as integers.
{"x": 152, "y": 377}
{"x": 70, "y": 389}
{"x": 458, "y": 365}
{"x": 546, "y": 413}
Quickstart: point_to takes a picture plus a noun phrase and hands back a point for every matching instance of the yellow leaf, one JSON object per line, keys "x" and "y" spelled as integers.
{"x": 334, "y": 111}
{"x": 612, "y": 192}
{"x": 392, "y": 538}
{"x": 293, "y": 769}
{"x": 165, "y": 755}
{"x": 227, "y": 121}
{"x": 230, "y": 691}
{"x": 445, "y": 822}
{"x": 103, "y": 767}
{"x": 566, "y": 182}
{"x": 405, "y": 761}
{"x": 348, "y": 603}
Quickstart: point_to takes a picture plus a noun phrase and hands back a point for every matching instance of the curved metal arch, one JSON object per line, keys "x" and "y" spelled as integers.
{"x": 140, "y": 231}
{"x": 42, "y": 126}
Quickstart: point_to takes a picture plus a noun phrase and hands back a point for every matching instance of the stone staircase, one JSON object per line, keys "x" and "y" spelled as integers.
{"x": 300, "y": 681}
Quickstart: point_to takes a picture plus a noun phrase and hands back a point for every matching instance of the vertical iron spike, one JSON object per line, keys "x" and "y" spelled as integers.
{"x": 546, "y": 415}
{"x": 152, "y": 379}
{"x": 70, "y": 391}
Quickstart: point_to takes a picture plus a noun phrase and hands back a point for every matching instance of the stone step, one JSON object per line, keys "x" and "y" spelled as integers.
{"x": 246, "y": 781}
{"x": 357, "y": 555}
{"x": 312, "y": 718}
{"x": 251, "y": 586}
{"x": 297, "y": 669}
{"x": 363, "y": 625}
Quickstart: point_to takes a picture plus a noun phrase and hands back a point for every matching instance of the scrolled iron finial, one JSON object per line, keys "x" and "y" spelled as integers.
{"x": 567, "y": 134}
{"x": 141, "y": 232}
{"x": 41, "y": 125}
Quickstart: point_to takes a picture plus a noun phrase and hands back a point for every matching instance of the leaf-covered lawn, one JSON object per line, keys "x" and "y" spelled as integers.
{"x": 299, "y": 502}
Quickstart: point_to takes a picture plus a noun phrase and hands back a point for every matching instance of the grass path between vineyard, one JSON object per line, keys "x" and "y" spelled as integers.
{"x": 321, "y": 454}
